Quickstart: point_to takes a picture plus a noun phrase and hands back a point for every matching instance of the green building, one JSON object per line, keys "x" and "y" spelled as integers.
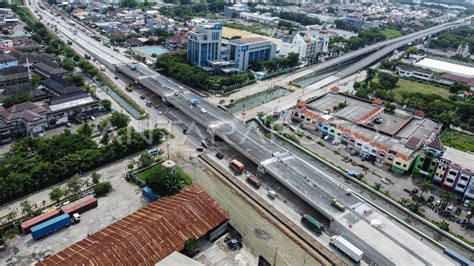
{"x": 427, "y": 160}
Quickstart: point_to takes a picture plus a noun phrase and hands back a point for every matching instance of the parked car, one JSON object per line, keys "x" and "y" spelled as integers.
{"x": 438, "y": 203}
{"x": 414, "y": 191}
{"x": 220, "y": 156}
{"x": 431, "y": 198}
{"x": 68, "y": 125}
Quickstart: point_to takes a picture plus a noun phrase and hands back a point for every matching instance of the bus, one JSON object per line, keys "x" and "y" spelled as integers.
{"x": 236, "y": 166}
{"x": 253, "y": 180}
{"x": 312, "y": 223}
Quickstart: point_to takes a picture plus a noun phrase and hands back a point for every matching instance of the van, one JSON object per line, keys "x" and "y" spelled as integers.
{"x": 272, "y": 194}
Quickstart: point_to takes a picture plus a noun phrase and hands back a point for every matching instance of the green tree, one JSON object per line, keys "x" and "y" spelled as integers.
{"x": 56, "y": 194}
{"x": 377, "y": 186}
{"x": 74, "y": 185}
{"x": 76, "y": 79}
{"x": 68, "y": 64}
{"x": 105, "y": 139}
{"x": 390, "y": 108}
{"x": 457, "y": 87}
{"x": 145, "y": 159}
{"x": 27, "y": 208}
{"x": 448, "y": 197}
{"x": 119, "y": 120}
{"x": 425, "y": 186}
{"x": 16, "y": 99}
{"x": 106, "y": 104}
{"x": 387, "y": 81}
{"x": 167, "y": 182}
{"x": 95, "y": 178}
{"x": 35, "y": 80}
{"x": 102, "y": 189}
{"x": 85, "y": 130}
{"x": 190, "y": 246}
{"x": 131, "y": 165}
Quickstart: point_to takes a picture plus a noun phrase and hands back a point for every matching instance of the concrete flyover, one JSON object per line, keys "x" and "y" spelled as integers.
{"x": 374, "y": 52}
{"x": 312, "y": 184}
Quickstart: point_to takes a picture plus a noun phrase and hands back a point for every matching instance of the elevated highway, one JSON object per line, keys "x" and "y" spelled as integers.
{"x": 372, "y": 53}
{"x": 389, "y": 244}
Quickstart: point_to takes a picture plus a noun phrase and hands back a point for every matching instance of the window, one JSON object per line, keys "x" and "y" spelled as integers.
{"x": 382, "y": 155}
{"x": 359, "y": 144}
{"x": 397, "y": 163}
{"x": 461, "y": 186}
{"x": 404, "y": 165}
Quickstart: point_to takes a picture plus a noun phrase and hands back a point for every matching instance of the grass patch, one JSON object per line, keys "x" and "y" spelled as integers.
{"x": 410, "y": 86}
{"x": 157, "y": 169}
{"x": 458, "y": 140}
{"x": 391, "y": 33}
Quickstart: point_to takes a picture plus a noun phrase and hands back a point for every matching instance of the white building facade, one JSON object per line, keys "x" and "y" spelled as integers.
{"x": 306, "y": 45}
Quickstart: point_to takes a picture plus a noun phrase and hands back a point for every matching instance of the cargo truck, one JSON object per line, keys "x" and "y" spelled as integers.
{"x": 337, "y": 205}
{"x": 149, "y": 194}
{"x": 27, "y": 225}
{"x": 50, "y": 226}
{"x": 80, "y": 206}
{"x": 253, "y": 180}
{"x": 347, "y": 247}
{"x": 312, "y": 223}
{"x": 236, "y": 166}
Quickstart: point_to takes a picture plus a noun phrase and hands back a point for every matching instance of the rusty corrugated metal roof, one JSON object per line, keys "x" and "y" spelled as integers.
{"x": 147, "y": 235}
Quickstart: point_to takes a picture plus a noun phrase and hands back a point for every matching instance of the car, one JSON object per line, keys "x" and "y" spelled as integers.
{"x": 431, "y": 198}
{"x": 220, "y": 156}
{"x": 185, "y": 131}
{"x": 116, "y": 77}
{"x": 92, "y": 118}
{"x": 466, "y": 203}
{"x": 143, "y": 97}
{"x": 450, "y": 208}
{"x": 438, "y": 203}
{"x": 200, "y": 149}
{"x": 385, "y": 181}
{"x": 68, "y": 125}
{"x": 414, "y": 191}
{"x": 204, "y": 111}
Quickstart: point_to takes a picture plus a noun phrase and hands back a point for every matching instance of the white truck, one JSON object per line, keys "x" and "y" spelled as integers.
{"x": 345, "y": 246}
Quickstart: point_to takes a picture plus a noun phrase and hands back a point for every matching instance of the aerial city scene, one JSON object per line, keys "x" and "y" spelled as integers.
{"x": 236, "y": 132}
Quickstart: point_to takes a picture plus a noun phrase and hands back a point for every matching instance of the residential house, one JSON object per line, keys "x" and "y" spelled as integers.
{"x": 22, "y": 120}
{"x": 306, "y": 45}
{"x": 13, "y": 75}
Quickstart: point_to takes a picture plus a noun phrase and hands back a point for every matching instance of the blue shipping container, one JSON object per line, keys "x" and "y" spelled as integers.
{"x": 149, "y": 194}
{"x": 50, "y": 226}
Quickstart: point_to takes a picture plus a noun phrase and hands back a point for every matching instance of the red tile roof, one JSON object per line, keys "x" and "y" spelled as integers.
{"x": 377, "y": 101}
{"x": 147, "y": 235}
{"x": 452, "y": 77}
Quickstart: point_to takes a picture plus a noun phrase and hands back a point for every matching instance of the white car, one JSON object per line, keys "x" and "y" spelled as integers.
{"x": 204, "y": 111}
{"x": 92, "y": 118}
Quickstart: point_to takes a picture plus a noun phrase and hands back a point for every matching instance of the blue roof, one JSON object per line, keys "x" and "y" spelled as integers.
{"x": 49, "y": 222}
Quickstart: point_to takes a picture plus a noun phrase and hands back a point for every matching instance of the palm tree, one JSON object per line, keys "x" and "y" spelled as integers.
{"x": 425, "y": 186}
{"x": 448, "y": 197}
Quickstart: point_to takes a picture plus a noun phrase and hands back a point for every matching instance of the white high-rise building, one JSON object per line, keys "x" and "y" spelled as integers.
{"x": 307, "y": 45}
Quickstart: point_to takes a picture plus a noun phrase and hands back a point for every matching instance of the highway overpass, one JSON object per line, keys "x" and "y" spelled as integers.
{"x": 388, "y": 244}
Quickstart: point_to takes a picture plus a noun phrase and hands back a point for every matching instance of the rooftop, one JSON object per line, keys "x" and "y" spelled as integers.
{"x": 447, "y": 67}
{"x": 464, "y": 159}
{"x": 248, "y": 40}
{"x": 147, "y": 235}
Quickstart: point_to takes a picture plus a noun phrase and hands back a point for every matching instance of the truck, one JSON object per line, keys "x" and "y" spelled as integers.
{"x": 194, "y": 101}
{"x": 253, "y": 180}
{"x": 149, "y": 194}
{"x": 336, "y": 204}
{"x": 236, "y": 166}
{"x": 80, "y": 205}
{"x": 27, "y": 225}
{"x": 347, "y": 247}
{"x": 50, "y": 226}
{"x": 312, "y": 223}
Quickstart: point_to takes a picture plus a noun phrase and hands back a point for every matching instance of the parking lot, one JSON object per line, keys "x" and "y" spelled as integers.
{"x": 123, "y": 200}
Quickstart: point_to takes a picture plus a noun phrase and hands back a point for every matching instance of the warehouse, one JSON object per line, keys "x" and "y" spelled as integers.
{"x": 149, "y": 234}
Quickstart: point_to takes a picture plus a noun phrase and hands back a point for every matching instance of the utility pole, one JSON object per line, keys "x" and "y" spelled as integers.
{"x": 275, "y": 258}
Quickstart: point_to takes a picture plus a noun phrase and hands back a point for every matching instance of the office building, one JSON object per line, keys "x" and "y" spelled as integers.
{"x": 246, "y": 51}
{"x": 204, "y": 44}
